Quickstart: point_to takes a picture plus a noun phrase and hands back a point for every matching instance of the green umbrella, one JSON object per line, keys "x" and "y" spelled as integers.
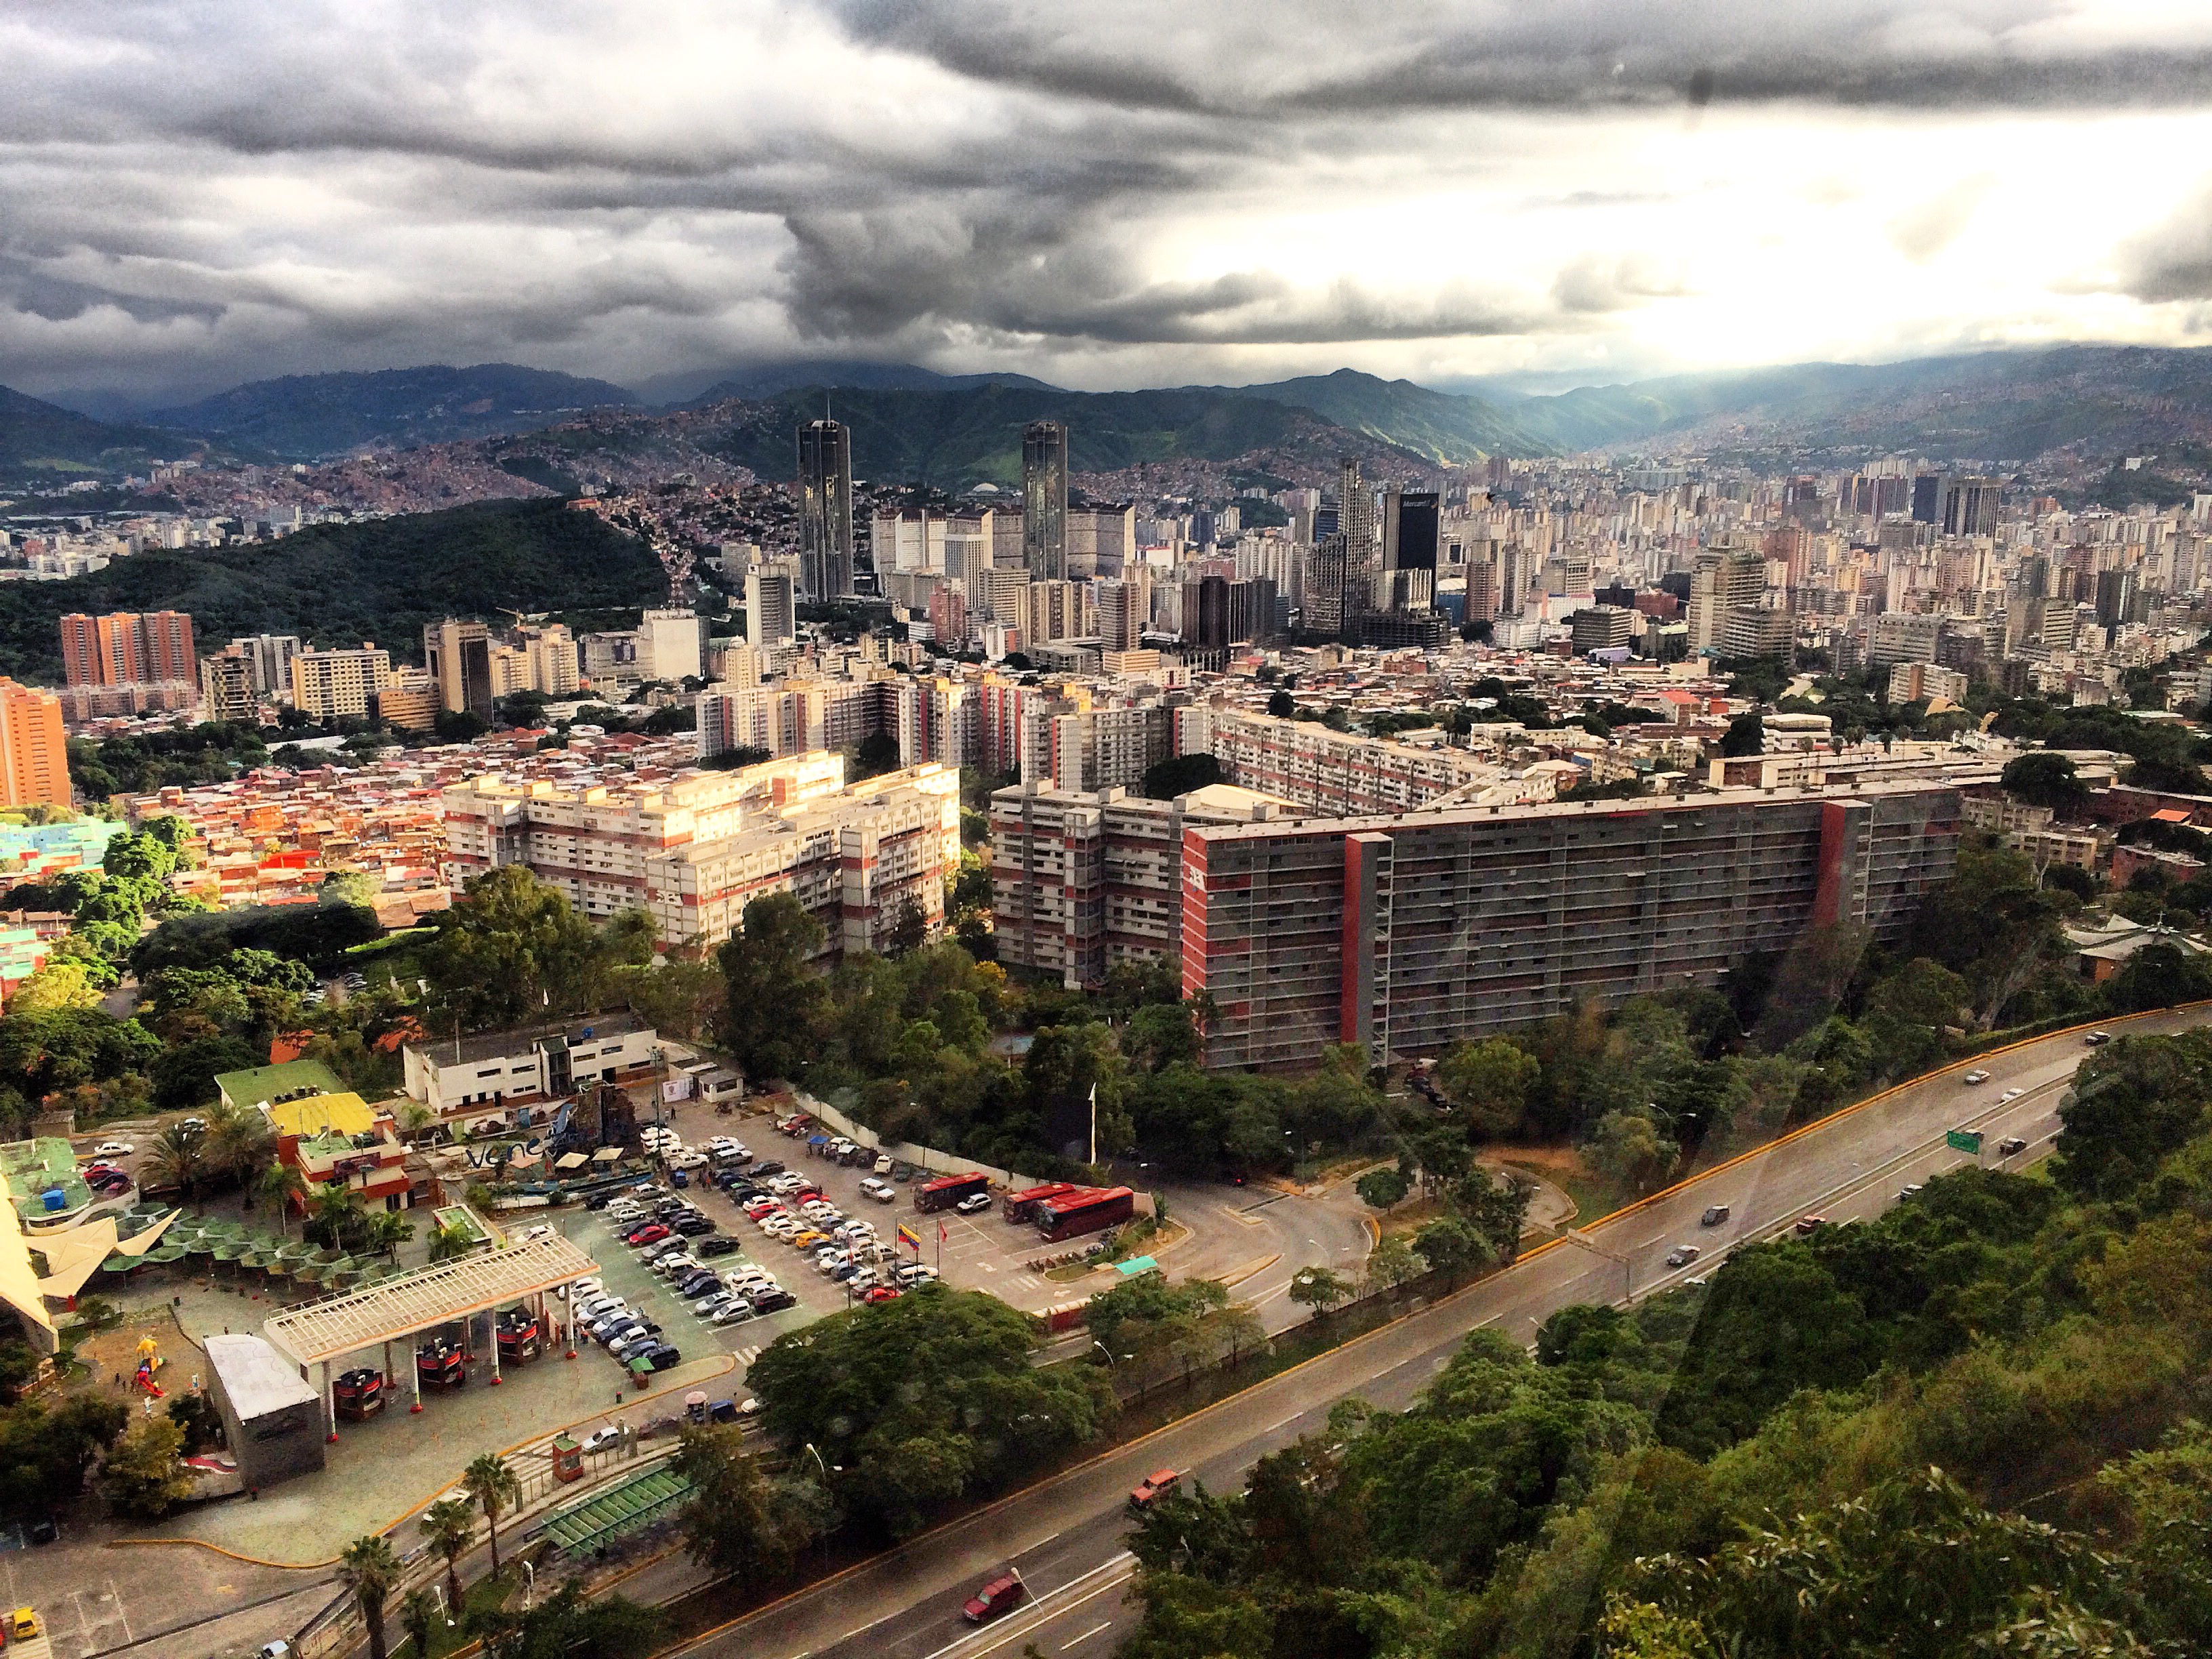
{"x": 252, "y": 1259}
{"x": 119, "y": 1263}
{"x": 164, "y": 1254}
{"x": 225, "y": 1252}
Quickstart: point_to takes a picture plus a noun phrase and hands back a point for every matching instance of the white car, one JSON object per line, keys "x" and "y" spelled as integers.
{"x": 881, "y": 1191}
{"x": 599, "y": 1440}
{"x": 113, "y": 1149}
{"x": 1975, "y": 1076}
{"x": 2010, "y": 1094}
{"x": 584, "y": 1288}
{"x": 975, "y": 1204}
{"x": 686, "y": 1160}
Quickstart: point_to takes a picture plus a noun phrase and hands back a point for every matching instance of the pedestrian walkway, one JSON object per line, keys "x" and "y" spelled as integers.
{"x": 616, "y": 1511}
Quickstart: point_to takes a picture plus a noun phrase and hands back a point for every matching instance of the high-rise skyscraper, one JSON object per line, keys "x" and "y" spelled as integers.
{"x": 825, "y": 510}
{"x": 1970, "y": 506}
{"x": 128, "y": 648}
{"x": 771, "y": 616}
{"x": 1412, "y": 530}
{"x": 1044, "y": 500}
{"x": 458, "y": 655}
{"x": 33, "y": 750}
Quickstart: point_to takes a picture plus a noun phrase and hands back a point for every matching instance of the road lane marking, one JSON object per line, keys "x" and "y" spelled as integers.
{"x": 1107, "y": 1624}
{"x": 1038, "y": 1604}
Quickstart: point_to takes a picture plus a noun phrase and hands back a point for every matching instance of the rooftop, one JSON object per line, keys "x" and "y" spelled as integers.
{"x": 490, "y": 1044}
{"x": 343, "y": 1113}
{"x": 264, "y": 1083}
{"x": 257, "y": 1379}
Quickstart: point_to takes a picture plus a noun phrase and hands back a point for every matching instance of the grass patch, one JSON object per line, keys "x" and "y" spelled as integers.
{"x": 486, "y": 1594}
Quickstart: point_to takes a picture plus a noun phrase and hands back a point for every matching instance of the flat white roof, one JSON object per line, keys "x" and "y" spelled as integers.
{"x": 419, "y": 1301}
{"x": 257, "y": 1379}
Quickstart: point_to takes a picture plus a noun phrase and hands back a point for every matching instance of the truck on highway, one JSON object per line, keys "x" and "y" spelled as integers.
{"x": 946, "y": 1191}
{"x": 1087, "y": 1211}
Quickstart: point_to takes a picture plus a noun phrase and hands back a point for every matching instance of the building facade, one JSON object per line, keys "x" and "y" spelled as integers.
{"x": 1044, "y": 500}
{"x": 825, "y": 510}
{"x": 1408, "y": 934}
{"x": 34, "y": 748}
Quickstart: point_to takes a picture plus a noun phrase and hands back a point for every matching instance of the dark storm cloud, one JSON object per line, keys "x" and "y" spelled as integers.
{"x": 219, "y": 190}
{"x": 1563, "y": 54}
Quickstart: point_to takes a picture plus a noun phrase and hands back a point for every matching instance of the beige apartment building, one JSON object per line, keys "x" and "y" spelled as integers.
{"x": 327, "y": 685}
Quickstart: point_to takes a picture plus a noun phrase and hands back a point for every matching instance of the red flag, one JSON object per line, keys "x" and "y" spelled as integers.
{"x": 941, "y": 1234}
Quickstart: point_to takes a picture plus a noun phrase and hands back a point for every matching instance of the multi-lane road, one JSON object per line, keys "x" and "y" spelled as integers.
{"x": 1065, "y": 1536}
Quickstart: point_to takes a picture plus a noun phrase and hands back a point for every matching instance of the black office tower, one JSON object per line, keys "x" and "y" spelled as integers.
{"x": 1412, "y": 520}
{"x": 1044, "y": 500}
{"x": 825, "y": 510}
{"x": 1927, "y": 498}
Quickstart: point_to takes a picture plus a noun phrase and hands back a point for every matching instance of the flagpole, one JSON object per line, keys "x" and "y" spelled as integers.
{"x": 1094, "y": 1124}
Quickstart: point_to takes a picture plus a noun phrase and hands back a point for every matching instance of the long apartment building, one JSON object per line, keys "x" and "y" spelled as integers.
{"x": 693, "y": 852}
{"x": 1342, "y": 774}
{"x": 1085, "y": 880}
{"x": 1408, "y": 934}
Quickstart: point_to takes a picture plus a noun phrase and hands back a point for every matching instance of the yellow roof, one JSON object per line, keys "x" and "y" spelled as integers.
{"x": 19, "y": 1282}
{"x": 346, "y": 1114}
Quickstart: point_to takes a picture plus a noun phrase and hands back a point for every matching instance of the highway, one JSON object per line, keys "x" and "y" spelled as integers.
{"x": 1064, "y": 1535}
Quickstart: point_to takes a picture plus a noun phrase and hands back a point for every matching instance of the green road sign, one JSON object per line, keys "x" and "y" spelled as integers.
{"x": 1964, "y": 1140}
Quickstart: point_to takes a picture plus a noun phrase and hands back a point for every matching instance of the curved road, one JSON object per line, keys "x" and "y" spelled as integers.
{"x": 1064, "y": 1535}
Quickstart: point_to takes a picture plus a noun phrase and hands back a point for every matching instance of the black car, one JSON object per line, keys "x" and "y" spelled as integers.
{"x": 661, "y": 1358}
{"x": 45, "y": 1531}
{"x": 696, "y": 1285}
{"x": 692, "y": 1225}
{"x": 720, "y": 1244}
{"x": 598, "y": 1201}
{"x": 764, "y": 1169}
{"x": 773, "y": 1301}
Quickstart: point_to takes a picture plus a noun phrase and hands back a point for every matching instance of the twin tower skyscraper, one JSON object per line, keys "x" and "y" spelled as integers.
{"x": 825, "y": 506}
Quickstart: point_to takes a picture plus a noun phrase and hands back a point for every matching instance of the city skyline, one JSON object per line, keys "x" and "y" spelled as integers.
{"x": 1583, "y": 193}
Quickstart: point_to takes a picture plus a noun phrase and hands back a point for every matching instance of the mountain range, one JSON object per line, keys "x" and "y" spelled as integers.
{"x": 2087, "y": 406}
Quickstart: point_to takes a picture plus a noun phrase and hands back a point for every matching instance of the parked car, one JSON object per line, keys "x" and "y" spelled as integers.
{"x": 767, "y": 1166}
{"x": 717, "y": 1244}
{"x": 660, "y": 1357}
{"x": 974, "y": 1203}
{"x": 599, "y": 1440}
{"x": 776, "y": 1301}
{"x": 734, "y": 1310}
{"x": 881, "y": 1191}
{"x": 652, "y": 1233}
{"x": 693, "y": 1225}
{"x": 113, "y": 1149}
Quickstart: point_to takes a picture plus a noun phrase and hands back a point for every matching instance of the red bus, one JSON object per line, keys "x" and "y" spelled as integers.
{"x": 946, "y": 1191}
{"x": 1086, "y": 1212}
{"x": 1022, "y": 1206}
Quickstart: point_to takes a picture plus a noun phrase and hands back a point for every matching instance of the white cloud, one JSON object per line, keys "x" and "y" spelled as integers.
{"x": 194, "y": 194}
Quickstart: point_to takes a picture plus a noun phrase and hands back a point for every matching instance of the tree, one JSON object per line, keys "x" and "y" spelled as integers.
{"x": 511, "y": 948}
{"x": 2042, "y": 779}
{"x": 897, "y": 1397}
{"x": 568, "y": 1624}
{"x": 449, "y": 1528}
{"x": 1178, "y": 776}
{"x": 1321, "y": 1289}
{"x": 1491, "y": 1081}
{"x": 1628, "y": 1150}
{"x": 1497, "y": 1209}
{"x": 1379, "y": 1190}
{"x": 1281, "y": 706}
{"x": 772, "y": 998}
{"x": 144, "y": 1475}
{"x": 739, "y": 1523}
{"x": 492, "y": 1484}
{"x": 418, "y": 1616}
{"x": 1746, "y": 735}
{"x": 196, "y": 1417}
{"x": 371, "y": 1571}
{"x": 45, "y": 1452}
{"x": 1451, "y": 1246}
{"x": 179, "y": 1158}
{"x": 281, "y": 1184}
{"x": 1392, "y": 1262}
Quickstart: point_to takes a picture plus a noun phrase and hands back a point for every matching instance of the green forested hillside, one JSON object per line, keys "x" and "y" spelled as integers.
{"x": 1974, "y": 1426}
{"x": 958, "y": 438}
{"x": 44, "y": 443}
{"x": 340, "y": 584}
{"x": 1442, "y": 425}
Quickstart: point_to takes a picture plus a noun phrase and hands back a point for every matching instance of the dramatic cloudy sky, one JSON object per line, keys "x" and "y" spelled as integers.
{"x": 1113, "y": 193}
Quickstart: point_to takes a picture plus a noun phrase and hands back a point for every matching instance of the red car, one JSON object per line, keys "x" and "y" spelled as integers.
{"x": 879, "y": 1293}
{"x": 1000, "y": 1596}
{"x": 652, "y": 1233}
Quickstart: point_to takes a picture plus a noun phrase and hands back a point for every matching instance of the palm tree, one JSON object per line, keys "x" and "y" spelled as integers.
{"x": 341, "y": 1217}
{"x": 418, "y": 1613}
{"x": 371, "y": 1571}
{"x": 449, "y": 1526}
{"x": 280, "y": 1184}
{"x": 447, "y": 1243}
{"x": 179, "y": 1158}
{"x": 238, "y": 1142}
{"x": 493, "y": 1484}
{"x": 387, "y": 1231}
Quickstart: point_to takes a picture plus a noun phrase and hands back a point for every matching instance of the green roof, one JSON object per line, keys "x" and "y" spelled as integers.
{"x": 265, "y": 1083}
